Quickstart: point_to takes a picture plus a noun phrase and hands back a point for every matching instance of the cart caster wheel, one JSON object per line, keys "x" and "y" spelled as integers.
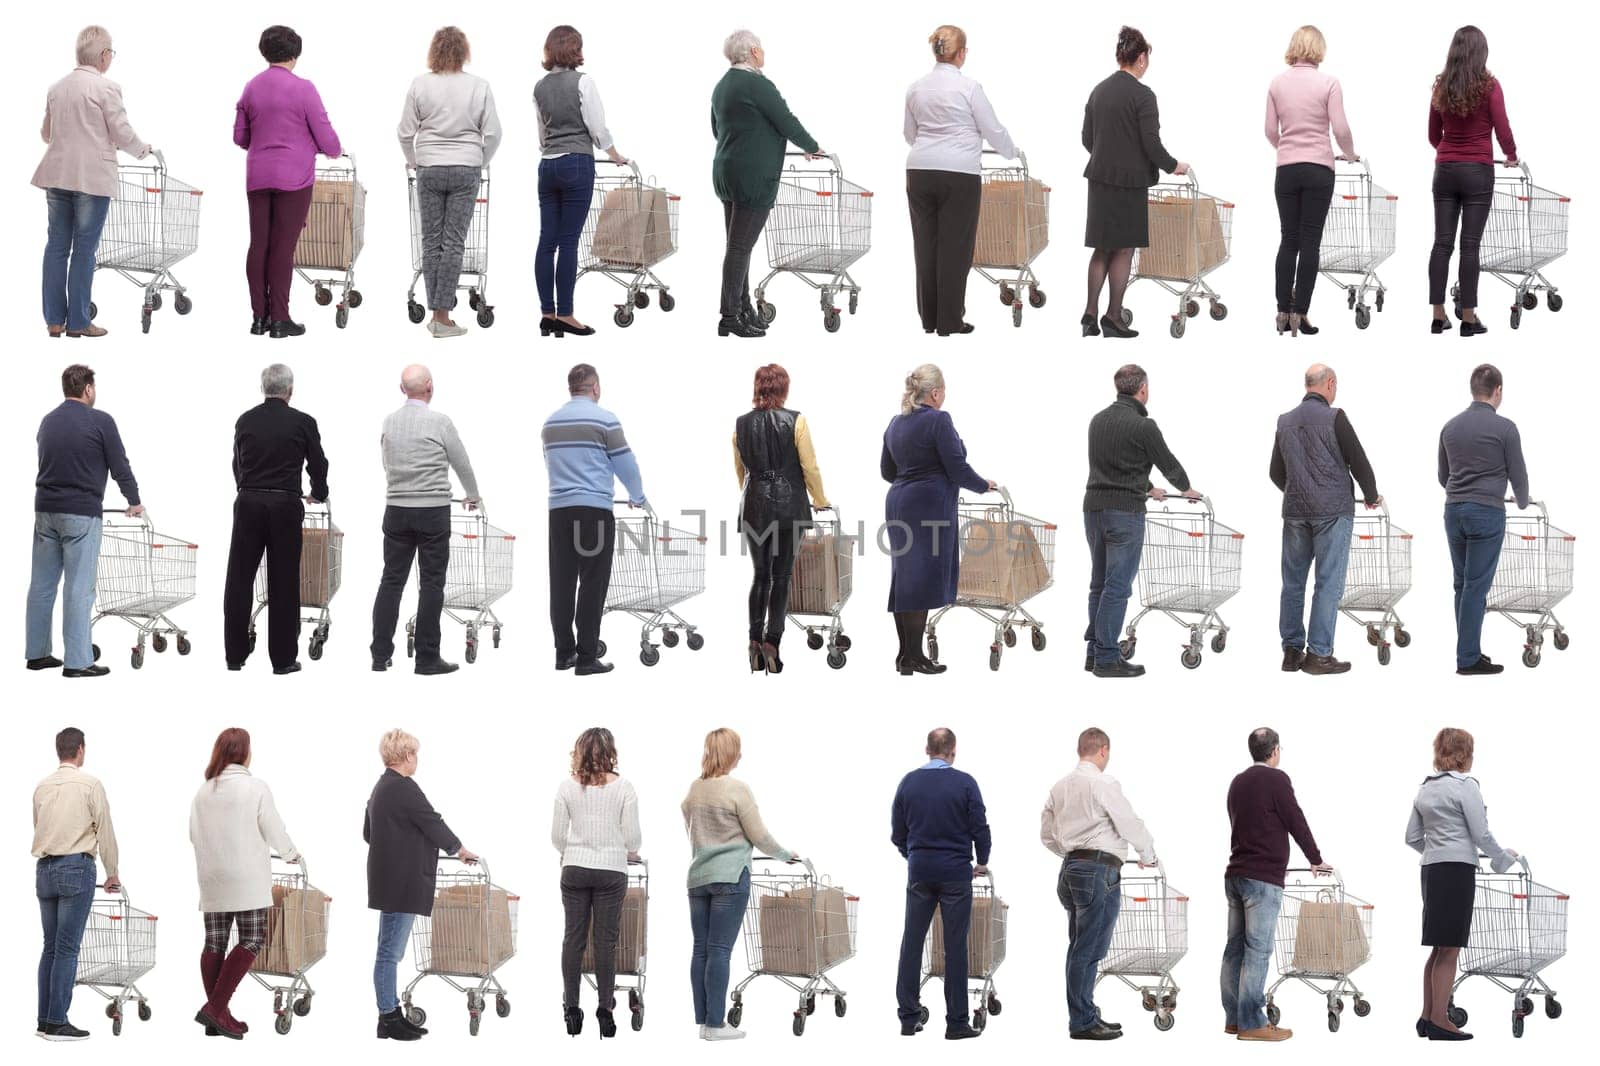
{"x": 623, "y": 317}
{"x": 111, "y": 1010}
{"x": 1127, "y": 317}
{"x": 1273, "y": 1014}
{"x": 1350, "y": 299}
{"x": 649, "y": 654}
{"x": 1176, "y": 329}
{"x": 353, "y": 298}
{"x": 666, "y": 301}
{"x": 994, "y": 1004}
{"x": 695, "y": 641}
{"x": 94, "y": 310}
{"x": 840, "y": 1007}
{"x": 1526, "y": 1006}
{"x": 637, "y": 1021}
{"x": 641, "y": 299}
{"x": 994, "y": 658}
{"x": 1530, "y": 657}
{"x": 1516, "y": 318}
{"x": 933, "y": 648}
{"x": 155, "y": 301}
{"x": 1011, "y": 637}
{"x": 1165, "y": 1021}
{"x": 980, "y": 1020}
{"x": 669, "y": 637}
{"x": 182, "y": 304}
{"x": 810, "y": 1005}
{"x": 1219, "y": 643}
{"x": 1516, "y": 1025}
{"x": 136, "y": 658}
{"x": 814, "y": 640}
{"x": 283, "y": 1023}
{"x": 302, "y": 1006}
{"x": 314, "y": 649}
{"x": 1148, "y": 1002}
{"x": 799, "y": 1026}
{"x": 1457, "y": 1016}
{"x": 1362, "y": 1008}
{"x": 736, "y": 1014}
{"x": 473, "y": 1023}
{"x": 1016, "y": 315}
{"x": 1192, "y": 308}
{"x": 415, "y": 312}
{"x": 831, "y": 321}
{"x": 416, "y": 1016}
{"x": 1333, "y": 1021}
{"x": 473, "y": 299}
{"x": 116, "y": 1025}
{"x": 1553, "y": 301}
{"x": 411, "y": 646}
{"x": 184, "y": 647}
{"x": 1219, "y": 310}
{"x": 1384, "y": 655}
{"x": 144, "y": 321}
{"x": 1035, "y": 297}
{"x": 1374, "y": 636}
{"x": 842, "y": 642}
{"x": 341, "y": 317}
{"x": 502, "y": 1007}
{"x": 1007, "y": 297}
{"x": 1530, "y": 301}
{"x": 1552, "y": 1008}
{"x": 158, "y": 642}
{"x": 1377, "y": 301}
{"x": 1363, "y": 318}
{"x": 766, "y": 311}
{"x": 1561, "y": 640}
{"x": 1038, "y": 640}
{"x": 855, "y": 299}
{"x": 472, "y": 652}
{"x": 323, "y": 296}
{"x": 485, "y": 317}
{"x": 1402, "y": 637}
{"x": 494, "y": 637}
{"x": 600, "y": 649}
{"x": 1190, "y": 658}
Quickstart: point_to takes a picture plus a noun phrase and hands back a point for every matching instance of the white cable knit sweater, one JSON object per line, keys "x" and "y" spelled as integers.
{"x": 596, "y": 827}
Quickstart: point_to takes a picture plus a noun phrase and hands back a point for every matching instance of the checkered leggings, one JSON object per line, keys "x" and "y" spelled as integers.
{"x": 252, "y": 929}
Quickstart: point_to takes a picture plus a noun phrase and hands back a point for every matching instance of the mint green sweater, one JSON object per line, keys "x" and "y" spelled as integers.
{"x": 725, "y": 828}
{"x": 752, "y": 125}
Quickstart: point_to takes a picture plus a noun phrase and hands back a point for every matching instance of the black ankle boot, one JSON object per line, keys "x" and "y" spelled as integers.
{"x": 260, "y": 327}
{"x": 736, "y": 327}
{"x": 392, "y": 1026}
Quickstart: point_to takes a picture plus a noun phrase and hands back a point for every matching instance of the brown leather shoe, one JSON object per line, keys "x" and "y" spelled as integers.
{"x": 1231, "y": 1030}
{"x": 1322, "y": 664}
{"x": 56, "y": 331}
{"x": 1270, "y": 1034}
{"x": 92, "y": 331}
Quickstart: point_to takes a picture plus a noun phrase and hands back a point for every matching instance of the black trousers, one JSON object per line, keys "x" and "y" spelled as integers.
{"x": 420, "y": 534}
{"x": 1464, "y": 192}
{"x": 772, "y": 553}
{"x": 953, "y": 901}
{"x": 582, "y": 542}
{"x": 1304, "y": 191}
{"x": 944, "y": 232}
{"x": 590, "y": 896}
{"x": 269, "y": 522}
{"x": 743, "y": 225}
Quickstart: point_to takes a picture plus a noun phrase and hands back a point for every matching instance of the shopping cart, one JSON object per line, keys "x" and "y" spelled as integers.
{"x": 1189, "y": 566}
{"x": 1526, "y": 232}
{"x": 796, "y": 929}
{"x": 1358, "y": 238}
{"x": 632, "y": 940}
{"x": 118, "y": 948}
{"x": 1377, "y": 577}
{"x": 632, "y": 226}
{"x": 140, "y": 576}
{"x": 152, "y": 225}
{"x": 654, "y": 568}
{"x": 335, "y": 231}
{"x": 1324, "y": 935}
{"x": 824, "y": 568}
{"x": 820, "y": 225}
{"x": 1007, "y": 558}
{"x": 1150, "y": 938}
{"x": 1534, "y": 574}
{"x": 474, "y": 260}
{"x": 1519, "y": 927}
{"x": 469, "y": 936}
{"x": 478, "y": 574}
{"x": 1013, "y": 228}
{"x": 321, "y": 571}
{"x": 986, "y": 950}
{"x": 1191, "y": 235}
{"x": 297, "y": 938}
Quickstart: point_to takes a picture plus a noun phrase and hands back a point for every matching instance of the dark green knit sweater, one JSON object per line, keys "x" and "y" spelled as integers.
{"x": 1124, "y": 443}
{"x": 752, "y": 126}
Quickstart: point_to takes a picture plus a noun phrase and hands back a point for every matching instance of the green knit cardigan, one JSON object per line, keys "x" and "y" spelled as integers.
{"x": 752, "y": 125}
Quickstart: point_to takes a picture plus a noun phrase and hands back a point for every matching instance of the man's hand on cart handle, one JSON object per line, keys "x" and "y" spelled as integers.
{"x": 113, "y": 884}
{"x": 1322, "y": 869}
{"x": 1181, "y": 169}
{"x": 1149, "y": 864}
{"x": 313, "y": 500}
{"x": 136, "y": 510}
{"x": 617, "y": 157}
{"x": 980, "y": 870}
{"x": 1193, "y": 494}
{"x": 993, "y": 484}
{"x": 1156, "y": 493}
{"x": 468, "y": 857}
{"x": 472, "y": 503}
{"x": 1375, "y": 504}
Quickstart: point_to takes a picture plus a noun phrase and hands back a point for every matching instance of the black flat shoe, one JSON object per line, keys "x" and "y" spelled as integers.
{"x": 1110, "y": 328}
{"x": 434, "y": 669}
{"x": 585, "y": 669}
{"x": 260, "y": 327}
{"x": 292, "y": 668}
{"x": 86, "y": 671}
{"x": 1437, "y": 1033}
{"x": 48, "y": 662}
{"x": 381, "y": 665}
{"x": 566, "y": 662}
{"x": 920, "y": 665}
{"x": 392, "y": 1026}
{"x": 1293, "y": 659}
{"x": 966, "y": 327}
{"x": 1091, "y": 328}
{"x": 235, "y": 667}
{"x": 736, "y": 327}
{"x": 286, "y": 328}
{"x": 576, "y": 331}
{"x": 911, "y": 1028}
{"x": 1482, "y": 666}
{"x": 1438, "y": 326}
{"x": 1469, "y": 329}
{"x": 965, "y": 1032}
{"x": 1122, "y": 669}
{"x": 753, "y": 321}
{"x": 1422, "y": 1027}
{"x": 1098, "y": 1032}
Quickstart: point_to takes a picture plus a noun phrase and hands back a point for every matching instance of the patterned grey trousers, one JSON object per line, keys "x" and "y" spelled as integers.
{"x": 445, "y": 200}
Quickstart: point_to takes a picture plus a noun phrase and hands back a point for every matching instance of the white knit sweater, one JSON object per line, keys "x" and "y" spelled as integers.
{"x": 597, "y": 826}
{"x": 235, "y": 827}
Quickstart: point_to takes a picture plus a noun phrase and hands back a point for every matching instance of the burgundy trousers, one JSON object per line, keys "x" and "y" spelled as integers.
{"x": 276, "y": 218}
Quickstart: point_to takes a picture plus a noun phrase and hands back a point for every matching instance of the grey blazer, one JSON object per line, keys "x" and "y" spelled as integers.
{"x": 1449, "y": 823}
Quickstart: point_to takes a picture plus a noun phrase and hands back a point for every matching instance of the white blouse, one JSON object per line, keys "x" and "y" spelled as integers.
{"x": 948, "y": 118}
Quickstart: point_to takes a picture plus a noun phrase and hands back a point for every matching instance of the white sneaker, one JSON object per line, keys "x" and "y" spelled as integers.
{"x": 444, "y": 329}
{"x": 702, "y": 1032}
{"x": 727, "y": 1032}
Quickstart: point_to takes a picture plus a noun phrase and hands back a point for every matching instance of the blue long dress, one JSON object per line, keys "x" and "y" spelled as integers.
{"x": 926, "y": 465}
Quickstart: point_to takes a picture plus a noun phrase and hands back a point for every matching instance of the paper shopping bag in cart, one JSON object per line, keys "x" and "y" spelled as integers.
{"x": 319, "y": 566}
{"x": 1186, "y": 238}
{"x": 832, "y": 922}
{"x": 1329, "y": 938}
{"x": 634, "y": 228}
{"x": 630, "y": 935}
{"x": 1001, "y": 562}
{"x": 297, "y": 931}
{"x": 986, "y": 938}
{"x": 468, "y": 936}
{"x": 788, "y": 942}
{"x": 1013, "y": 223}
{"x": 822, "y": 567}
{"x": 333, "y": 233}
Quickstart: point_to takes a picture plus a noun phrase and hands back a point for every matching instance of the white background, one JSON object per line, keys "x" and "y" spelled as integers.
{"x": 824, "y": 749}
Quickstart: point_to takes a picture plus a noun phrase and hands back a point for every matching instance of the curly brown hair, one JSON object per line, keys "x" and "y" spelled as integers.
{"x": 594, "y": 756}
{"x": 1452, "y": 750}
{"x": 1465, "y": 80}
{"x": 449, "y": 51}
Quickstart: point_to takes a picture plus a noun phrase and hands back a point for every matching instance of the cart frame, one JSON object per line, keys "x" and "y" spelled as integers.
{"x": 114, "y": 925}
{"x": 1013, "y": 277}
{"x": 844, "y": 212}
{"x": 323, "y": 280}
{"x": 637, "y": 281}
{"x": 1526, "y": 232}
{"x": 1515, "y": 962}
{"x": 1206, "y": 595}
{"x": 476, "y": 986}
{"x": 632, "y": 981}
{"x": 830, "y": 632}
{"x": 765, "y": 880}
{"x": 146, "y": 612}
{"x": 143, "y": 249}
{"x": 1335, "y": 988}
{"x": 1151, "y": 936}
{"x": 473, "y": 586}
{"x": 648, "y": 601}
{"x": 1545, "y": 580}
{"x": 474, "y": 257}
{"x": 1359, "y": 237}
{"x": 1190, "y": 290}
{"x": 980, "y": 986}
{"x": 292, "y": 1000}
{"x": 1377, "y": 578}
{"x": 318, "y": 516}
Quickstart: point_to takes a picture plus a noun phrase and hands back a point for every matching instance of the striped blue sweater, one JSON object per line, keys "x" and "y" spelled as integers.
{"x": 586, "y": 454}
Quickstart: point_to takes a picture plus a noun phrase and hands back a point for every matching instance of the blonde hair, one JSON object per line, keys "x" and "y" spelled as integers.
{"x": 1306, "y": 46}
{"x": 396, "y": 745}
{"x": 947, "y": 42}
{"x": 1452, "y": 750}
{"x": 720, "y": 755}
{"x": 920, "y": 383}
{"x": 92, "y": 40}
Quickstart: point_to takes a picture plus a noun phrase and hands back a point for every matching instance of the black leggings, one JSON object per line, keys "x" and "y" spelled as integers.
{"x": 742, "y": 224}
{"x": 1304, "y": 191}
{"x": 772, "y": 557}
{"x": 910, "y": 625}
{"x": 1464, "y": 191}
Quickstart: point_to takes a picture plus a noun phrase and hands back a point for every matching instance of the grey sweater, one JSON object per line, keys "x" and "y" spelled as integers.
{"x": 1479, "y": 452}
{"x": 420, "y": 447}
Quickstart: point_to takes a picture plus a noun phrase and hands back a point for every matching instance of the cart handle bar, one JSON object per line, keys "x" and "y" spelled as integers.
{"x": 829, "y": 156}
{"x": 650, "y": 512}
{"x": 481, "y": 863}
{"x": 1203, "y": 501}
{"x": 1544, "y": 512}
{"x": 1382, "y": 506}
{"x": 1021, "y": 156}
{"x": 1333, "y": 875}
{"x": 811, "y": 871}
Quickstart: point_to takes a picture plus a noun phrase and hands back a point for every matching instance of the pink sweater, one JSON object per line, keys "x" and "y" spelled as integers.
{"x": 1302, "y": 103}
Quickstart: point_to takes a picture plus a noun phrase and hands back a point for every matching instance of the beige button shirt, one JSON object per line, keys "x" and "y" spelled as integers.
{"x": 71, "y": 817}
{"x": 1086, "y": 811}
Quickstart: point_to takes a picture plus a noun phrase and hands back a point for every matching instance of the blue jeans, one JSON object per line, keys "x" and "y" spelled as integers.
{"x": 1252, "y": 918}
{"x": 76, "y": 219}
{"x": 954, "y": 902}
{"x": 65, "y": 887}
{"x": 1115, "y": 540}
{"x": 566, "y": 186}
{"x": 393, "y": 932}
{"x": 1476, "y": 533}
{"x": 1327, "y": 541}
{"x": 1092, "y": 894}
{"x": 715, "y": 912}
{"x": 70, "y": 543}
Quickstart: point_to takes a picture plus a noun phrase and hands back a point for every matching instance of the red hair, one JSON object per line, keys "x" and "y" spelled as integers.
{"x": 772, "y": 387}
{"x": 232, "y": 746}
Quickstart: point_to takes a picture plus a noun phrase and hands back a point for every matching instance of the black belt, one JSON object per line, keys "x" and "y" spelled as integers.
{"x": 1104, "y": 858}
{"x": 276, "y": 492}
{"x": 75, "y": 855}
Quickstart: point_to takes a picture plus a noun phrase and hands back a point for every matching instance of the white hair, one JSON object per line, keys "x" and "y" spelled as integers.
{"x": 277, "y": 382}
{"x": 396, "y": 746}
{"x": 740, "y": 45}
{"x": 920, "y": 384}
{"x": 92, "y": 41}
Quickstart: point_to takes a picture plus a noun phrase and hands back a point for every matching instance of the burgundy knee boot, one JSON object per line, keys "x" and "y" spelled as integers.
{"x": 214, "y": 1014}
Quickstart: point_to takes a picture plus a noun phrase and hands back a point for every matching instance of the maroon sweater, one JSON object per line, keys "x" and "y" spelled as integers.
{"x": 1265, "y": 814}
{"x": 1465, "y": 138}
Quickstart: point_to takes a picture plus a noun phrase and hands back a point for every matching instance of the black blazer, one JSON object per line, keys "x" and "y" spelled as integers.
{"x": 1122, "y": 133}
{"x": 404, "y": 836}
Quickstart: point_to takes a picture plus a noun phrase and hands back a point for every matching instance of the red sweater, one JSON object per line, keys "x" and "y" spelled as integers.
{"x": 1465, "y": 138}
{"x": 1265, "y": 814}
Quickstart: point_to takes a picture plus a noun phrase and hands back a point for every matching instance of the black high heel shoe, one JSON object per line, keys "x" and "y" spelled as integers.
{"x": 769, "y": 656}
{"x": 1111, "y": 328}
{"x": 1091, "y": 328}
{"x": 758, "y": 661}
{"x": 1440, "y": 325}
{"x": 574, "y": 1019}
{"x": 1300, "y": 324}
{"x": 608, "y": 1024}
{"x": 550, "y": 326}
{"x": 1472, "y": 329}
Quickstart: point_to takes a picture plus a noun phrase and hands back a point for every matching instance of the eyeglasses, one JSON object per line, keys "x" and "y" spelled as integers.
{"x": 112, "y": 52}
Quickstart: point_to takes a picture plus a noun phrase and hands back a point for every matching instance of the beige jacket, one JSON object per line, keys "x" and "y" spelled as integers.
{"x": 85, "y": 126}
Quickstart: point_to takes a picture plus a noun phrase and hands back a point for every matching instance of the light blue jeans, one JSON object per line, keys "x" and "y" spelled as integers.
{"x": 1252, "y": 918}
{"x": 715, "y": 912}
{"x": 76, "y": 219}
{"x": 1327, "y": 542}
{"x": 70, "y": 543}
{"x": 393, "y": 932}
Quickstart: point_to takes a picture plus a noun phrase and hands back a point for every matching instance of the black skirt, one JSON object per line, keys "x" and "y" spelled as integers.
{"x": 1119, "y": 217}
{"x": 1447, "y": 892}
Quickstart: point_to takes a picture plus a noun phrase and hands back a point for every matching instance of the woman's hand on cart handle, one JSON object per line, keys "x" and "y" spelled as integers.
{"x": 635, "y": 859}
{"x": 468, "y": 857}
{"x": 1180, "y": 170}
{"x": 617, "y": 157}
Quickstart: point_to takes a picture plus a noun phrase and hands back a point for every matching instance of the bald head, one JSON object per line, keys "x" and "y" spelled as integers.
{"x": 942, "y": 744}
{"x": 416, "y": 381}
{"x": 1321, "y": 380}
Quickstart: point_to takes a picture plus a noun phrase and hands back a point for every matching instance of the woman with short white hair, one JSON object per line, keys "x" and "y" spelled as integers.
{"x": 753, "y": 126}
{"x": 85, "y": 126}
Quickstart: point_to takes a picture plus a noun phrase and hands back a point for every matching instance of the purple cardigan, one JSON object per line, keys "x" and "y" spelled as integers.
{"x": 282, "y": 125}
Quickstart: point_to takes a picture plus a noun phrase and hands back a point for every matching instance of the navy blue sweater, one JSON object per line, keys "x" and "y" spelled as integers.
{"x": 940, "y": 824}
{"x": 78, "y": 447}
